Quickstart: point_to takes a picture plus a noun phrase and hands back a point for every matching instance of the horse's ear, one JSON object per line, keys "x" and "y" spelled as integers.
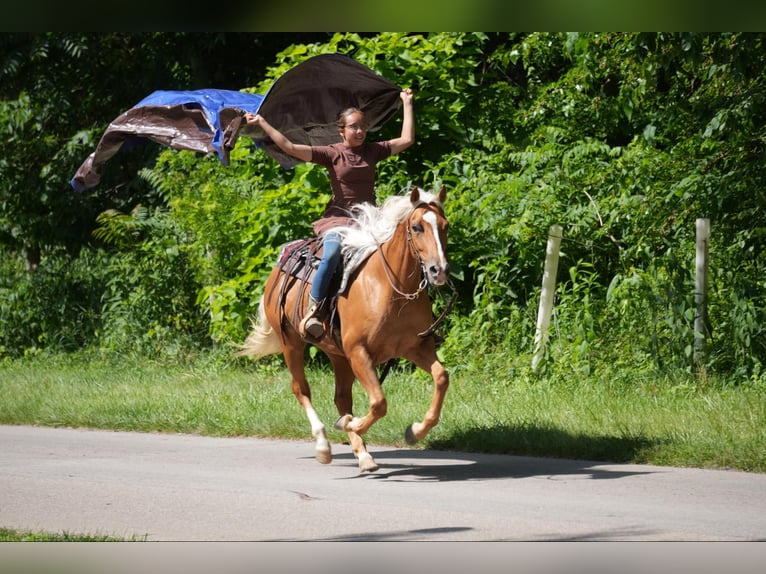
{"x": 442, "y": 195}
{"x": 414, "y": 194}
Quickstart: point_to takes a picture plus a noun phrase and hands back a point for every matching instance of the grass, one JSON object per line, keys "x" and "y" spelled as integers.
{"x": 641, "y": 418}
{"x": 10, "y": 535}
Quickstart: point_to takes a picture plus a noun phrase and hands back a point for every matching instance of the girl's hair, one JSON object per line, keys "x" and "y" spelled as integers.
{"x": 341, "y": 121}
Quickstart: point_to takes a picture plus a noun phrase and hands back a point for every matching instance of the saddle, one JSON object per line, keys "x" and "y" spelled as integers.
{"x": 300, "y": 258}
{"x": 299, "y": 261}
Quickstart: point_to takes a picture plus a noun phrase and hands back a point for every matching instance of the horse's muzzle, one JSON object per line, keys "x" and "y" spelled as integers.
{"x": 437, "y": 275}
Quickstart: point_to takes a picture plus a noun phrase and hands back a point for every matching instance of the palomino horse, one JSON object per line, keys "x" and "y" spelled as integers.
{"x": 384, "y": 313}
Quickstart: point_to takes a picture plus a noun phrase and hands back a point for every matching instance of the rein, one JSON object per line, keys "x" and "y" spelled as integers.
{"x": 443, "y": 314}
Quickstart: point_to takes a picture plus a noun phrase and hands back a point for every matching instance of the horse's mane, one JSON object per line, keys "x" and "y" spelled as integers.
{"x": 376, "y": 225}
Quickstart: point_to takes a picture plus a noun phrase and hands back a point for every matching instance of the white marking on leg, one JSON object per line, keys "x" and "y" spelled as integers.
{"x": 317, "y": 429}
{"x": 316, "y": 423}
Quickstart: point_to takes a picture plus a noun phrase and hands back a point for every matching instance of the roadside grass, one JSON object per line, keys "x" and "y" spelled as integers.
{"x": 11, "y": 535}
{"x": 638, "y": 418}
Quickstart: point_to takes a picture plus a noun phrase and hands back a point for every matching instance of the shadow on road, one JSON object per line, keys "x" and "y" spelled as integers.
{"x": 441, "y": 466}
{"x": 545, "y": 440}
{"x": 422, "y": 534}
{"x": 574, "y": 455}
{"x": 436, "y": 534}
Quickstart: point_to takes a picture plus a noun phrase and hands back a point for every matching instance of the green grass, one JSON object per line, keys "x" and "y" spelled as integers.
{"x": 639, "y": 418}
{"x": 10, "y": 535}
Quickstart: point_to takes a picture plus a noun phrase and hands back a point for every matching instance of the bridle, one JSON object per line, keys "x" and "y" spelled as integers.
{"x": 422, "y": 286}
{"x": 387, "y": 268}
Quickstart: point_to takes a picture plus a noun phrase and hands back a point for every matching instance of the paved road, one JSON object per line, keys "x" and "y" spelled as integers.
{"x": 186, "y": 488}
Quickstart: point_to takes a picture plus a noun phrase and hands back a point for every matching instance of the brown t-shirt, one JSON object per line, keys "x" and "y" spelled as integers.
{"x": 352, "y": 179}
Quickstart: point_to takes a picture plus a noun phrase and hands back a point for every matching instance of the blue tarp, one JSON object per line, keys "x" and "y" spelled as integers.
{"x": 213, "y": 103}
{"x": 303, "y": 104}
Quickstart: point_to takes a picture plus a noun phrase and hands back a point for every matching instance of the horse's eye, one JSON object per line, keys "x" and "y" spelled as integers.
{"x": 417, "y": 228}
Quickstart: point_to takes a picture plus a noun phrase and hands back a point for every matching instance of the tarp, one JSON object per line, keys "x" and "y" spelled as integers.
{"x": 303, "y": 104}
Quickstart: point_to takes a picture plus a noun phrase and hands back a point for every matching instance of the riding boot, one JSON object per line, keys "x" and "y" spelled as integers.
{"x": 311, "y": 325}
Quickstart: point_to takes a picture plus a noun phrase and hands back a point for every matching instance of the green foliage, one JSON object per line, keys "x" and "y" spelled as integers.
{"x": 234, "y": 223}
{"x": 617, "y": 152}
{"x": 623, "y": 139}
{"x": 57, "y": 308}
{"x": 736, "y": 310}
{"x": 59, "y": 91}
{"x": 654, "y": 311}
{"x": 149, "y": 296}
{"x": 34, "y": 214}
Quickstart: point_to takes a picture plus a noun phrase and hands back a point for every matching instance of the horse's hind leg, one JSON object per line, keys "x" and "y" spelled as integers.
{"x": 344, "y": 381}
{"x": 425, "y": 358}
{"x": 300, "y": 386}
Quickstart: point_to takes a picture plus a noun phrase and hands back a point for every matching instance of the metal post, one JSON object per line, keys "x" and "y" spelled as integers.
{"x": 546, "y": 296}
{"x": 700, "y": 290}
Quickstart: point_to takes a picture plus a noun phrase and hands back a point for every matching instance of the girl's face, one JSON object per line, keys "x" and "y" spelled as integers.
{"x": 354, "y": 130}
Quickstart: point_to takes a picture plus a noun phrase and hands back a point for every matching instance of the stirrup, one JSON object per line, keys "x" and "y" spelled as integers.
{"x": 310, "y": 325}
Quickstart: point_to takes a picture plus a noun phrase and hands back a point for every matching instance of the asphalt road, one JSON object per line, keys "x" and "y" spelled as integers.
{"x": 167, "y": 487}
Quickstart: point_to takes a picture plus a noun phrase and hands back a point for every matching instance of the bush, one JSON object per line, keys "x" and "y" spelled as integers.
{"x": 57, "y": 308}
{"x": 149, "y": 293}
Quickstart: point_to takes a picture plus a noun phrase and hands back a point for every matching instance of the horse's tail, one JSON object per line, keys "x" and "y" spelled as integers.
{"x": 262, "y": 339}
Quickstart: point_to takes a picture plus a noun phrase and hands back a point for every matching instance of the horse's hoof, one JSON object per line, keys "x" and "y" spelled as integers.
{"x": 324, "y": 456}
{"x": 367, "y": 463}
{"x": 343, "y": 422}
{"x": 409, "y": 436}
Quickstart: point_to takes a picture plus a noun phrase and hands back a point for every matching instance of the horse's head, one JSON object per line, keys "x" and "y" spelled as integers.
{"x": 428, "y": 233}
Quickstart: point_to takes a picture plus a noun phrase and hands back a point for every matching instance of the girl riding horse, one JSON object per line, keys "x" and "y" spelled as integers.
{"x": 351, "y": 165}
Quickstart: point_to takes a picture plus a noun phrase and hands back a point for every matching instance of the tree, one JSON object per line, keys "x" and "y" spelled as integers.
{"x": 58, "y": 91}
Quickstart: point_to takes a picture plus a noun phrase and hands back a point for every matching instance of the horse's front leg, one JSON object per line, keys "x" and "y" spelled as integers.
{"x": 344, "y": 381}
{"x": 364, "y": 369}
{"x": 425, "y": 358}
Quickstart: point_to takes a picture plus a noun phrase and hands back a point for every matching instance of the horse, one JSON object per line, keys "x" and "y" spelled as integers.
{"x": 384, "y": 313}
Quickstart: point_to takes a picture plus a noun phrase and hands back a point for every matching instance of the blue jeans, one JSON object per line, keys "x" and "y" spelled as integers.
{"x": 327, "y": 266}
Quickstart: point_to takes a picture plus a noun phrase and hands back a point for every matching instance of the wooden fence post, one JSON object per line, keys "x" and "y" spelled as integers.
{"x": 546, "y": 296}
{"x": 700, "y": 290}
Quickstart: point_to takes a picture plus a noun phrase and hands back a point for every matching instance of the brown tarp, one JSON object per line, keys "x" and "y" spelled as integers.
{"x": 305, "y": 101}
{"x": 303, "y": 104}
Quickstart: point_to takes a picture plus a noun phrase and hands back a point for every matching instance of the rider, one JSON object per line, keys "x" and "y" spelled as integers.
{"x": 351, "y": 165}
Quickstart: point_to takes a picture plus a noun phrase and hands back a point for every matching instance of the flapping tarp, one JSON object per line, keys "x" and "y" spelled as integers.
{"x": 303, "y": 104}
